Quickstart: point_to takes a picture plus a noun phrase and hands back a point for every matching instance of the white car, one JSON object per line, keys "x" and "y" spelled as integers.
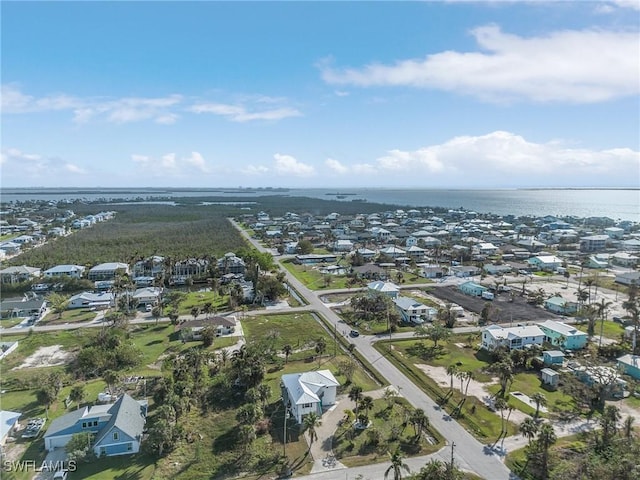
{"x": 148, "y": 308}
{"x": 61, "y": 474}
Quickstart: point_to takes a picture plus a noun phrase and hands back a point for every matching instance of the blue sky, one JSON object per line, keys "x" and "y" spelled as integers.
{"x": 447, "y": 94}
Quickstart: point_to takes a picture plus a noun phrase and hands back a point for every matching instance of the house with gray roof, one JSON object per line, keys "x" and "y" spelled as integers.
{"x": 18, "y": 274}
{"x": 308, "y": 392}
{"x": 117, "y": 427}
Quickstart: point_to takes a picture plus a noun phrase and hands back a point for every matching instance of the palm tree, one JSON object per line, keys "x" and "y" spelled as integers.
{"x": 501, "y": 405}
{"x": 546, "y": 438}
{"x": 366, "y": 403}
{"x": 355, "y": 395}
{"x": 195, "y": 311}
{"x": 505, "y": 374}
{"x": 452, "y": 369}
{"x": 310, "y": 423}
{"x": 469, "y": 376}
{"x": 529, "y": 428}
{"x": 419, "y": 421}
{"x": 77, "y": 394}
{"x": 602, "y": 308}
{"x": 397, "y": 465}
{"x": 540, "y": 401}
{"x": 389, "y": 396}
{"x": 286, "y": 350}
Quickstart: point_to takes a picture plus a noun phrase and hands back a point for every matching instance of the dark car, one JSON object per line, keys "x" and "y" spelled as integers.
{"x": 354, "y": 333}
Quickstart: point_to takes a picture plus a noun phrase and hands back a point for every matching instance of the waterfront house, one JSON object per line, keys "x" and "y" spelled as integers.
{"x": 192, "y": 329}
{"x": 108, "y": 271}
{"x": 22, "y": 307}
{"x": 561, "y": 334}
{"x": 8, "y": 424}
{"x": 92, "y": 300}
{"x": 19, "y": 274}
{"x": 547, "y": 263}
{"x": 116, "y": 427}
{"x": 308, "y": 392}
{"x": 71, "y": 271}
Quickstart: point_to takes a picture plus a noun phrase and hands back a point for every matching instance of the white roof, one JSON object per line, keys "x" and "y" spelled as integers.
{"x": 500, "y": 333}
{"x": 7, "y": 421}
{"x": 381, "y": 286}
{"x": 631, "y": 360}
{"x": 303, "y": 387}
{"x": 549, "y": 259}
{"x": 562, "y": 328}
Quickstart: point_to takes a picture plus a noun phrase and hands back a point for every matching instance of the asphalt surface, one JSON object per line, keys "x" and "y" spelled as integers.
{"x": 469, "y": 453}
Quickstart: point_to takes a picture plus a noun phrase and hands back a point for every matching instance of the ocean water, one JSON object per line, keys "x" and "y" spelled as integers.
{"x": 618, "y": 204}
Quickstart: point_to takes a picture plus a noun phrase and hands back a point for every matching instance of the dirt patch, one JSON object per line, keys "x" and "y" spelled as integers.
{"x": 476, "y": 389}
{"x": 502, "y": 308}
{"x": 46, "y": 357}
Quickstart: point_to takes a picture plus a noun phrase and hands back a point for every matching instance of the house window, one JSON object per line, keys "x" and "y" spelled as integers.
{"x": 84, "y": 424}
{"x": 95, "y": 423}
{"x": 306, "y": 405}
{"x": 129, "y": 447}
{"x": 103, "y": 451}
{"x": 115, "y": 435}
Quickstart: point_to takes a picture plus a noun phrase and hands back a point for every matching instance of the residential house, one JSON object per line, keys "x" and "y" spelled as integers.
{"x": 625, "y": 259}
{"x": 108, "y": 271}
{"x": 366, "y": 253}
{"x": 593, "y": 243}
{"x": 71, "y": 271}
{"x": 308, "y": 392}
{"x": 342, "y": 246}
{"x": 561, "y": 334}
{"x": 628, "y": 278}
{"x": 92, "y": 300}
{"x": 472, "y": 288}
{"x": 370, "y": 271}
{"x": 19, "y": 274}
{"x": 230, "y": 263}
{"x": 393, "y": 252}
{"x": 386, "y": 288}
{"x": 17, "y": 308}
{"x": 607, "y": 377}
{"x": 553, "y": 357}
{"x": 614, "y": 232}
{"x": 312, "y": 259}
{"x": 147, "y": 295}
{"x": 8, "y": 424}
{"x": 560, "y": 305}
{"x": 149, "y": 267}
{"x": 117, "y": 427}
{"x": 547, "y": 263}
{"x": 465, "y": 271}
{"x": 630, "y": 365}
{"x": 411, "y": 311}
{"x": 191, "y": 267}
{"x": 514, "y": 338}
{"x": 193, "y": 328}
{"x": 497, "y": 269}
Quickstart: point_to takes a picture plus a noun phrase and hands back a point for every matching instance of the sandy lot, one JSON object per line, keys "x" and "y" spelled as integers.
{"x": 476, "y": 389}
{"x": 46, "y": 357}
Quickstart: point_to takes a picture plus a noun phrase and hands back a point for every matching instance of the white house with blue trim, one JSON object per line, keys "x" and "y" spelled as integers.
{"x": 308, "y": 392}
{"x": 117, "y": 427}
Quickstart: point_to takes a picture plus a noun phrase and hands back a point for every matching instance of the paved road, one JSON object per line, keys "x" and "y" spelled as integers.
{"x": 469, "y": 453}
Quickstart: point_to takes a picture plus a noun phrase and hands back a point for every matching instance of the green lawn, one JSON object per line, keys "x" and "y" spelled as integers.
{"x": 10, "y": 322}
{"x": 313, "y": 279}
{"x": 470, "y": 412}
{"x": 354, "y": 447}
{"x": 76, "y": 315}
{"x": 610, "y": 330}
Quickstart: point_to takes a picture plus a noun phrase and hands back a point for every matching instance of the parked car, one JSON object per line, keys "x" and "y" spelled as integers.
{"x": 148, "y": 308}
{"x": 354, "y": 333}
{"x": 61, "y": 474}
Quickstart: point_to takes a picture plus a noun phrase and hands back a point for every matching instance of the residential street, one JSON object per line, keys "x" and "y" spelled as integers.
{"x": 469, "y": 453}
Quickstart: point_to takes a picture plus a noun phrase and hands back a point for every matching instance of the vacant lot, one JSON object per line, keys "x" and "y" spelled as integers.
{"x": 502, "y": 310}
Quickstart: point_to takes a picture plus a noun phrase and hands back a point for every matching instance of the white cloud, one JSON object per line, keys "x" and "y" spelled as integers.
{"x": 254, "y": 170}
{"x": 240, "y": 113}
{"x": 37, "y": 168}
{"x": 499, "y": 157}
{"x": 170, "y": 164}
{"x": 335, "y": 166}
{"x": 122, "y": 110}
{"x": 288, "y": 165}
{"x": 550, "y": 68}
{"x": 633, "y": 4}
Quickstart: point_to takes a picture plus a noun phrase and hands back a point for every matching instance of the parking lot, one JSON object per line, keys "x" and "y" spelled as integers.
{"x": 503, "y": 310}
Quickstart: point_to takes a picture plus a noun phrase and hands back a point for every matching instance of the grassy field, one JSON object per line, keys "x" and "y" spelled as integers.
{"x": 354, "y": 447}
{"x": 77, "y": 315}
{"x": 471, "y": 411}
{"x": 313, "y": 279}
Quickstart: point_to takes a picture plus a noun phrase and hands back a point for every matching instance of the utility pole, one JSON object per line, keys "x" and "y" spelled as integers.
{"x": 450, "y": 466}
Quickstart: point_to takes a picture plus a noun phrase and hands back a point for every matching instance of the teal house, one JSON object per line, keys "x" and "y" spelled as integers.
{"x": 553, "y": 357}
{"x": 560, "y": 305}
{"x": 630, "y": 365}
{"x": 566, "y": 336}
{"x": 472, "y": 288}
